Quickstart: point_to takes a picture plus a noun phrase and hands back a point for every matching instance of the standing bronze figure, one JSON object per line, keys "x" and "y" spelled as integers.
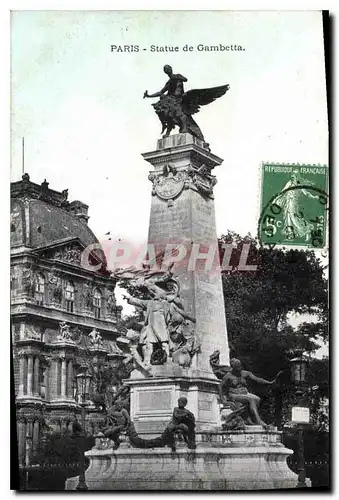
{"x": 176, "y": 107}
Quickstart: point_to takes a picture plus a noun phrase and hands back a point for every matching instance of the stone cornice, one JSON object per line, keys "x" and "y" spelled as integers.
{"x": 191, "y": 152}
{"x": 27, "y": 188}
{"x": 174, "y": 379}
{"x": 49, "y": 314}
{"x": 43, "y": 263}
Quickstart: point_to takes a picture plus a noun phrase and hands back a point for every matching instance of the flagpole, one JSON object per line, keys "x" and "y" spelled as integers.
{"x": 23, "y": 156}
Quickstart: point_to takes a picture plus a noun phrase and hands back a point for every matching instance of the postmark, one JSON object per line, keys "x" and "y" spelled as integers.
{"x": 294, "y": 205}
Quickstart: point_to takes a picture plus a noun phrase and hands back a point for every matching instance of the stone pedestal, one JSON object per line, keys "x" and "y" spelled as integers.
{"x": 153, "y": 399}
{"x": 238, "y": 460}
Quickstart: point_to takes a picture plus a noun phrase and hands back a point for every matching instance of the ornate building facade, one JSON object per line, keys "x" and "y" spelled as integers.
{"x": 61, "y": 294}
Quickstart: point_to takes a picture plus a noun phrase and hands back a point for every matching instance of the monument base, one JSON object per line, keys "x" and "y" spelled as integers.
{"x": 237, "y": 460}
{"x": 153, "y": 399}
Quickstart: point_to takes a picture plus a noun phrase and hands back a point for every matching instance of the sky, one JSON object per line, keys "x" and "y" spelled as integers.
{"x": 79, "y": 105}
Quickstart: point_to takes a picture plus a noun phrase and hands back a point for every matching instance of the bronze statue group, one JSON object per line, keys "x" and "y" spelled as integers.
{"x": 233, "y": 391}
{"x": 118, "y": 421}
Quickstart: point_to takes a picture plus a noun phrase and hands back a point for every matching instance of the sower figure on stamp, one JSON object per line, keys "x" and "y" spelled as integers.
{"x": 234, "y": 386}
{"x": 118, "y": 420}
{"x": 183, "y": 421}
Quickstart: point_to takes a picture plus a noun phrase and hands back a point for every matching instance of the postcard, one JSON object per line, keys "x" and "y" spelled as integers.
{"x": 170, "y": 250}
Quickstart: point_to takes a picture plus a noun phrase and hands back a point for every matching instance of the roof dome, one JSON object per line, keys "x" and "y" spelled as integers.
{"x": 41, "y": 216}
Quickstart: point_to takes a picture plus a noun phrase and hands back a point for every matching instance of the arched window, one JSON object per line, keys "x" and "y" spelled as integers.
{"x": 40, "y": 289}
{"x": 97, "y": 303}
{"x": 69, "y": 296}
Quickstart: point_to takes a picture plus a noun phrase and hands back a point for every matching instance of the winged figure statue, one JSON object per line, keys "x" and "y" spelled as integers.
{"x": 176, "y": 107}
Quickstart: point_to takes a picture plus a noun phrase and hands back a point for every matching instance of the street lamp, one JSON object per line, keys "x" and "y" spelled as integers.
{"x": 300, "y": 414}
{"x": 298, "y": 370}
{"x": 83, "y": 382}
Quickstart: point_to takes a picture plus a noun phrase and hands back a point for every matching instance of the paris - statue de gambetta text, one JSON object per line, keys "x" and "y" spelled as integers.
{"x": 176, "y": 107}
{"x": 220, "y": 47}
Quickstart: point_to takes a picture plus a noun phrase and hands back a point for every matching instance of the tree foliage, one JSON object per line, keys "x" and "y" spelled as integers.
{"x": 57, "y": 457}
{"x": 259, "y": 305}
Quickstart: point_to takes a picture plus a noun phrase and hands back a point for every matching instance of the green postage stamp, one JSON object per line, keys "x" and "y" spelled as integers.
{"x": 294, "y": 205}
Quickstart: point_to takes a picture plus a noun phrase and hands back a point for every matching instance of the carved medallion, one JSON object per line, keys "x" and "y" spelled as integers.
{"x": 169, "y": 184}
{"x": 169, "y": 187}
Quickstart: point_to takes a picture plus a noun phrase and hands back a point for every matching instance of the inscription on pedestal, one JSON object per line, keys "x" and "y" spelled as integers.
{"x": 159, "y": 400}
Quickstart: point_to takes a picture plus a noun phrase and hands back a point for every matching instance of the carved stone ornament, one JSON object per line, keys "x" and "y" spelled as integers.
{"x": 28, "y": 280}
{"x": 111, "y": 304}
{"x": 55, "y": 288}
{"x": 32, "y": 332}
{"x": 69, "y": 253}
{"x": 15, "y": 218}
{"x": 202, "y": 179}
{"x": 14, "y": 279}
{"x": 95, "y": 339}
{"x": 168, "y": 184}
{"x": 86, "y": 294}
{"x": 65, "y": 334}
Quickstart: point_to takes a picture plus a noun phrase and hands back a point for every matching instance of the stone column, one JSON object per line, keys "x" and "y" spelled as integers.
{"x": 182, "y": 216}
{"x": 36, "y": 429}
{"x": 182, "y": 213}
{"x": 63, "y": 378}
{"x": 54, "y": 386}
{"x": 30, "y": 376}
{"x": 29, "y": 427}
{"x": 37, "y": 376}
{"x": 21, "y": 441}
{"x": 70, "y": 379}
{"x": 29, "y": 440}
{"x": 21, "y": 376}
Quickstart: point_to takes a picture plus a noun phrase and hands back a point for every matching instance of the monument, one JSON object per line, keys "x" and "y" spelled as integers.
{"x": 181, "y": 338}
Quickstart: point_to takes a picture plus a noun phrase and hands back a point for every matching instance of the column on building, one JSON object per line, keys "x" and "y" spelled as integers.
{"x": 63, "y": 377}
{"x": 37, "y": 376}
{"x": 30, "y": 375}
{"x": 36, "y": 432}
{"x": 21, "y": 375}
{"x": 21, "y": 440}
{"x": 54, "y": 382}
{"x": 29, "y": 439}
{"x": 70, "y": 379}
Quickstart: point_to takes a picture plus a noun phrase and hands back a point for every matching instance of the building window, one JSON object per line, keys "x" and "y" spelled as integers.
{"x": 97, "y": 303}
{"x": 69, "y": 296}
{"x": 40, "y": 289}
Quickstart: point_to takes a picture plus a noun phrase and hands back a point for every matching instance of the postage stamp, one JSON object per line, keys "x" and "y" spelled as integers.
{"x": 294, "y": 205}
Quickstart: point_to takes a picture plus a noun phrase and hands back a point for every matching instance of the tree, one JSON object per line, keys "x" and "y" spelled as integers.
{"x": 258, "y": 305}
{"x": 57, "y": 457}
